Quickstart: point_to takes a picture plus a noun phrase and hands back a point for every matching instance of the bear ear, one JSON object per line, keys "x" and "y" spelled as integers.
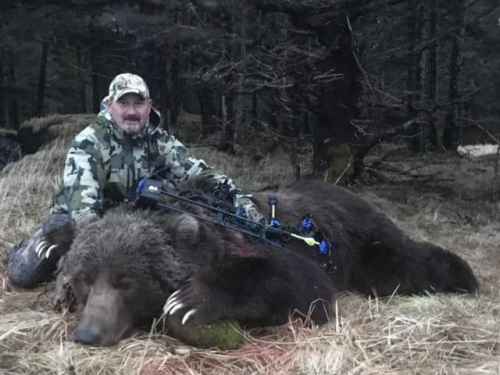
{"x": 185, "y": 231}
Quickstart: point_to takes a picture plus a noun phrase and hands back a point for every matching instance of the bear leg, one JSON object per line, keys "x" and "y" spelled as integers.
{"x": 254, "y": 291}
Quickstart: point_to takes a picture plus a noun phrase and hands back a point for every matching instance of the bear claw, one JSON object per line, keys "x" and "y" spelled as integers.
{"x": 40, "y": 248}
{"x": 188, "y": 315}
{"x": 176, "y": 293}
{"x": 173, "y": 304}
{"x": 176, "y": 306}
{"x": 49, "y": 250}
{"x": 168, "y": 306}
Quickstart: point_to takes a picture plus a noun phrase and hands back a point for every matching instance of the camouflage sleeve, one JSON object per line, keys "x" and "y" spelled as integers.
{"x": 83, "y": 181}
{"x": 183, "y": 166}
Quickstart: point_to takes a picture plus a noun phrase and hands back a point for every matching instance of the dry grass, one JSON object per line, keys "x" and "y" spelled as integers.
{"x": 399, "y": 335}
{"x": 58, "y": 125}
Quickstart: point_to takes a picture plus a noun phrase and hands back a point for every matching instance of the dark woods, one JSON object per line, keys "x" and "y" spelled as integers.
{"x": 337, "y": 75}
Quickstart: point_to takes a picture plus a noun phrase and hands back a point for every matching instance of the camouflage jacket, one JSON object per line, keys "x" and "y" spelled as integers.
{"x": 103, "y": 165}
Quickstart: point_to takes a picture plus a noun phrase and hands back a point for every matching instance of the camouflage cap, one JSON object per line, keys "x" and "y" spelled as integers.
{"x": 126, "y": 83}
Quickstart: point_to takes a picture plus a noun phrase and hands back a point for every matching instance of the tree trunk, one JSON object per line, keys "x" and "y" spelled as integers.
{"x": 419, "y": 58}
{"x": 454, "y": 134}
{"x": 3, "y": 92}
{"x": 42, "y": 77}
{"x": 334, "y": 136}
{"x": 235, "y": 104}
{"x": 240, "y": 55}
{"x": 94, "y": 69}
{"x": 12, "y": 107}
{"x": 411, "y": 75}
{"x": 206, "y": 99}
{"x": 428, "y": 70}
{"x": 227, "y": 110}
{"x": 431, "y": 56}
{"x": 176, "y": 83}
{"x": 165, "y": 104}
{"x": 83, "y": 76}
{"x": 415, "y": 22}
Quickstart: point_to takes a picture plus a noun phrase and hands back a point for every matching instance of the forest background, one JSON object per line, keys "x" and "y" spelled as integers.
{"x": 339, "y": 76}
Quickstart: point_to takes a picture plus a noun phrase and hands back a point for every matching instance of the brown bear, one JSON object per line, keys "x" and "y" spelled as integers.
{"x": 123, "y": 267}
{"x": 369, "y": 253}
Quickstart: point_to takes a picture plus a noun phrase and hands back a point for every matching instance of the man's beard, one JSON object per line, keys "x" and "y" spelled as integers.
{"x": 132, "y": 125}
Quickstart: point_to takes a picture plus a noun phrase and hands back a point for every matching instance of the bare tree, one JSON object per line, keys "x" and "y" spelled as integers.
{"x": 42, "y": 78}
{"x": 458, "y": 21}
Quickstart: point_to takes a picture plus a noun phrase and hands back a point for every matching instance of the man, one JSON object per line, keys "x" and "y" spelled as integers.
{"x": 103, "y": 165}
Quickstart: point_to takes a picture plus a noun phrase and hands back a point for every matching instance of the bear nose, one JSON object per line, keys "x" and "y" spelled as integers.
{"x": 86, "y": 336}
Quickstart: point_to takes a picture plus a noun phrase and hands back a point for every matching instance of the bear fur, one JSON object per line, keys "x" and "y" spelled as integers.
{"x": 370, "y": 254}
{"x": 123, "y": 267}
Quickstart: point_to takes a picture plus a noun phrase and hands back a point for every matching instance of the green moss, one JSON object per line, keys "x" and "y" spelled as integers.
{"x": 223, "y": 335}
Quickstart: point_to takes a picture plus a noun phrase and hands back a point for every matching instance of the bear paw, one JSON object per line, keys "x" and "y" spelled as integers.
{"x": 176, "y": 302}
{"x": 193, "y": 301}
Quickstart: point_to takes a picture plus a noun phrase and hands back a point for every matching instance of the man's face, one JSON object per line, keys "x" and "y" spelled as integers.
{"x": 131, "y": 113}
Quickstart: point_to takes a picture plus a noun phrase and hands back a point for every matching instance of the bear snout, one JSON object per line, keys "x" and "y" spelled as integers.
{"x": 86, "y": 336}
{"x": 105, "y": 319}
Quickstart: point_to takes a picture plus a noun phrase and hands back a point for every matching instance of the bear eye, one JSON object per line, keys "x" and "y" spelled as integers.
{"x": 123, "y": 283}
{"x": 81, "y": 287}
{"x": 83, "y": 279}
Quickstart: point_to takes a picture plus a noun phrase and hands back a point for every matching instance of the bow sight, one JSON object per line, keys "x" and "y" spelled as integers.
{"x": 151, "y": 193}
